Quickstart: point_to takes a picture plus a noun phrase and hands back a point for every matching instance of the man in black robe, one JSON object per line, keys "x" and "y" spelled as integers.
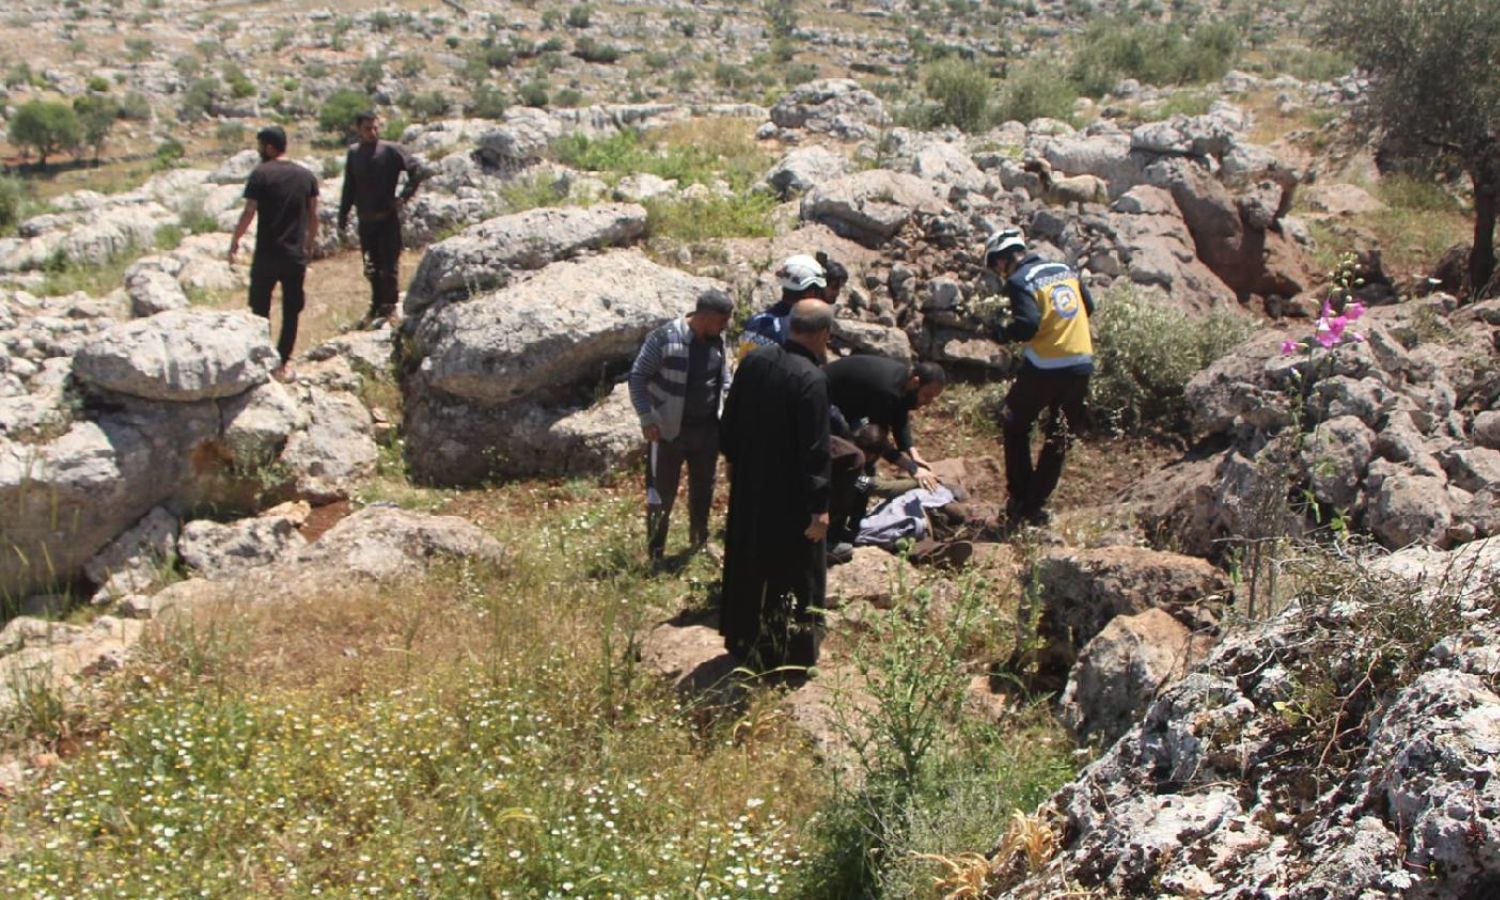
{"x": 774, "y": 435}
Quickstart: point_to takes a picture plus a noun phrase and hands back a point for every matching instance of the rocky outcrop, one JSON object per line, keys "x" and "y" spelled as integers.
{"x": 874, "y": 205}
{"x": 1384, "y": 434}
{"x": 179, "y": 356}
{"x": 485, "y": 256}
{"x": 804, "y": 168}
{"x": 502, "y": 382}
{"x": 837, "y": 107}
{"x": 1343, "y": 749}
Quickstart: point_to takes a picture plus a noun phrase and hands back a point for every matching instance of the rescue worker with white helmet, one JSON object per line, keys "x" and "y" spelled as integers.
{"x": 1050, "y": 310}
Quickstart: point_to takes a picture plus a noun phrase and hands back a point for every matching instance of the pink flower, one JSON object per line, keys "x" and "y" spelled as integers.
{"x": 1354, "y": 310}
{"x": 1288, "y": 347}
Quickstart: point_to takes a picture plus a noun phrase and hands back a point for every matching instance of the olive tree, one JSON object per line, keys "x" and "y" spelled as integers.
{"x": 1433, "y": 91}
{"x": 46, "y": 127}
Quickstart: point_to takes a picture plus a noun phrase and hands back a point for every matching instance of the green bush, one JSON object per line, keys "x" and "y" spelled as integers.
{"x": 1035, "y": 91}
{"x": 135, "y": 106}
{"x": 580, "y": 17}
{"x": 961, "y": 91}
{"x": 200, "y": 97}
{"x": 1110, "y": 50}
{"x": 168, "y": 154}
{"x": 1145, "y": 351}
{"x": 98, "y": 84}
{"x": 488, "y": 102}
{"x": 534, "y": 93}
{"x": 427, "y": 106}
{"x": 12, "y": 196}
{"x": 569, "y": 98}
{"x": 590, "y": 50}
{"x": 336, "y": 118}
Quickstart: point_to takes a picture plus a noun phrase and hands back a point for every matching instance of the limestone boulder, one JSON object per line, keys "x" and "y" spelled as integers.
{"x": 180, "y": 356}
{"x": 1122, "y": 669}
{"x": 215, "y": 549}
{"x": 489, "y": 255}
{"x": 805, "y": 168}
{"x": 873, "y": 205}
{"x": 838, "y": 107}
{"x": 1083, "y": 590}
{"x": 334, "y": 450}
{"x": 135, "y": 561}
{"x": 565, "y": 325}
{"x": 153, "y": 291}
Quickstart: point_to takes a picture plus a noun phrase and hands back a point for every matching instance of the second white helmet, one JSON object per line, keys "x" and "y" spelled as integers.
{"x": 801, "y": 272}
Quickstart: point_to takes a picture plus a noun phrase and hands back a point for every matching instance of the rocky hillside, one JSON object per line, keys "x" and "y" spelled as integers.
{"x": 1271, "y": 653}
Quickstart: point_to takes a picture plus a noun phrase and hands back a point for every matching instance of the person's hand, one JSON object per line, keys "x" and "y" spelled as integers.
{"x": 926, "y": 478}
{"x": 818, "y": 528}
{"x": 652, "y": 433}
{"x": 234, "y": 247}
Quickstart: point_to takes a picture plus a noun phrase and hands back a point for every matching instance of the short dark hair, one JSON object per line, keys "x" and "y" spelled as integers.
{"x": 362, "y": 118}
{"x": 811, "y": 291}
{"x": 929, "y": 373}
{"x": 274, "y": 136}
{"x": 834, "y": 271}
{"x": 715, "y": 302}
{"x": 812, "y": 318}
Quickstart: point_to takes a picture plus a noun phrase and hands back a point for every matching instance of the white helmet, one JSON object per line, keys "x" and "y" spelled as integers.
{"x": 801, "y": 272}
{"x": 1003, "y": 241}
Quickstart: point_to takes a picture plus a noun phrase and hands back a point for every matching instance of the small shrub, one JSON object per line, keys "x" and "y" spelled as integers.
{"x": 961, "y": 91}
{"x": 199, "y": 99}
{"x": 539, "y": 191}
{"x": 1035, "y": 92}
{"x": 590, "y": 50}
{"x": 195, "y": 219}
{"x": 1110, "y": 50}
{"x": 336, "y": 118}
{"x": 168, "y": 237}
{"x": 488, "y": 102}
{"x": 580, "y": 16}
{"x": 168, "y": 154}
{"x": 569, "y": 98}
{"x": 98, "y": 84}
{"x": 135, "y": 106}
{"x": 427, "y": 106}
{"x": 139, "y": 49}
{"x": 12, "y": 196}
{"x": 1146, "y": 352}
{"x": 533, "y": 93}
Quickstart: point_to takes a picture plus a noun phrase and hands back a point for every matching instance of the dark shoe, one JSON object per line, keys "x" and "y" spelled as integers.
{"x": 840, "y": 553}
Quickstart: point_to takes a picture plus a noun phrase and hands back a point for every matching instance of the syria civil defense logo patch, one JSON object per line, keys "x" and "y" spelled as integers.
{"x": 1064, "y": 300}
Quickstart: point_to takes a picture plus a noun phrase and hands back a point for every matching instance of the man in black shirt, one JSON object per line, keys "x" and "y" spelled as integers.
{"x": 874, "y": 397}
{"x": 371, "y": 171}
{"x": 285, "y": 197}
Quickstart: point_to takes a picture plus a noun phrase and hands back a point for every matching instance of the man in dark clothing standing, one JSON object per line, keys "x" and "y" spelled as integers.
{"x": 1050, "y": 310}
{"x": 285, "y": 197}
{"x": 775, "y": 438}
{"x": 874, "y": 396}
{"x": 371, "y": 172}
{"x": 677, "y": 385}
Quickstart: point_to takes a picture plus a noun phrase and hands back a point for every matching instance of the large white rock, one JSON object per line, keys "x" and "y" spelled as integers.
{"x": 804, "y": 168}
{"x": 216, "y": 549}
{"x": 182, "y": 355}
{"x": 872, "y": 205}
{"x": 484, "y": 256}
{"x": 561, "y": 326}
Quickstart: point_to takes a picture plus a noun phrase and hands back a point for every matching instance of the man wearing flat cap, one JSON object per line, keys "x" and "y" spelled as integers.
{"x": 677, "y": 386}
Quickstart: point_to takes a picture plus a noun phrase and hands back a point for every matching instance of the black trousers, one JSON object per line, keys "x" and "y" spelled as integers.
{"x": 265, "y": 274}
{"x": 1036, "y": 392}
{"x": 697, "y": 444}
{"x": 380, "y": 245}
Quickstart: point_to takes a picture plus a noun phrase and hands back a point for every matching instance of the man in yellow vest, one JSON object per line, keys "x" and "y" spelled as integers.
{"x": 1050, "y": 311}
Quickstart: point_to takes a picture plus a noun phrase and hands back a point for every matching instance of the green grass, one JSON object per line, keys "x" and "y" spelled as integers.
{"x": 695, "y": 152}
{"x": 63, "y": 276}
{"x": 740, "y": 215}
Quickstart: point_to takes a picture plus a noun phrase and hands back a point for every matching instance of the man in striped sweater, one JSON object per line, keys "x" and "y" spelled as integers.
{"x": 677, "y": 386}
